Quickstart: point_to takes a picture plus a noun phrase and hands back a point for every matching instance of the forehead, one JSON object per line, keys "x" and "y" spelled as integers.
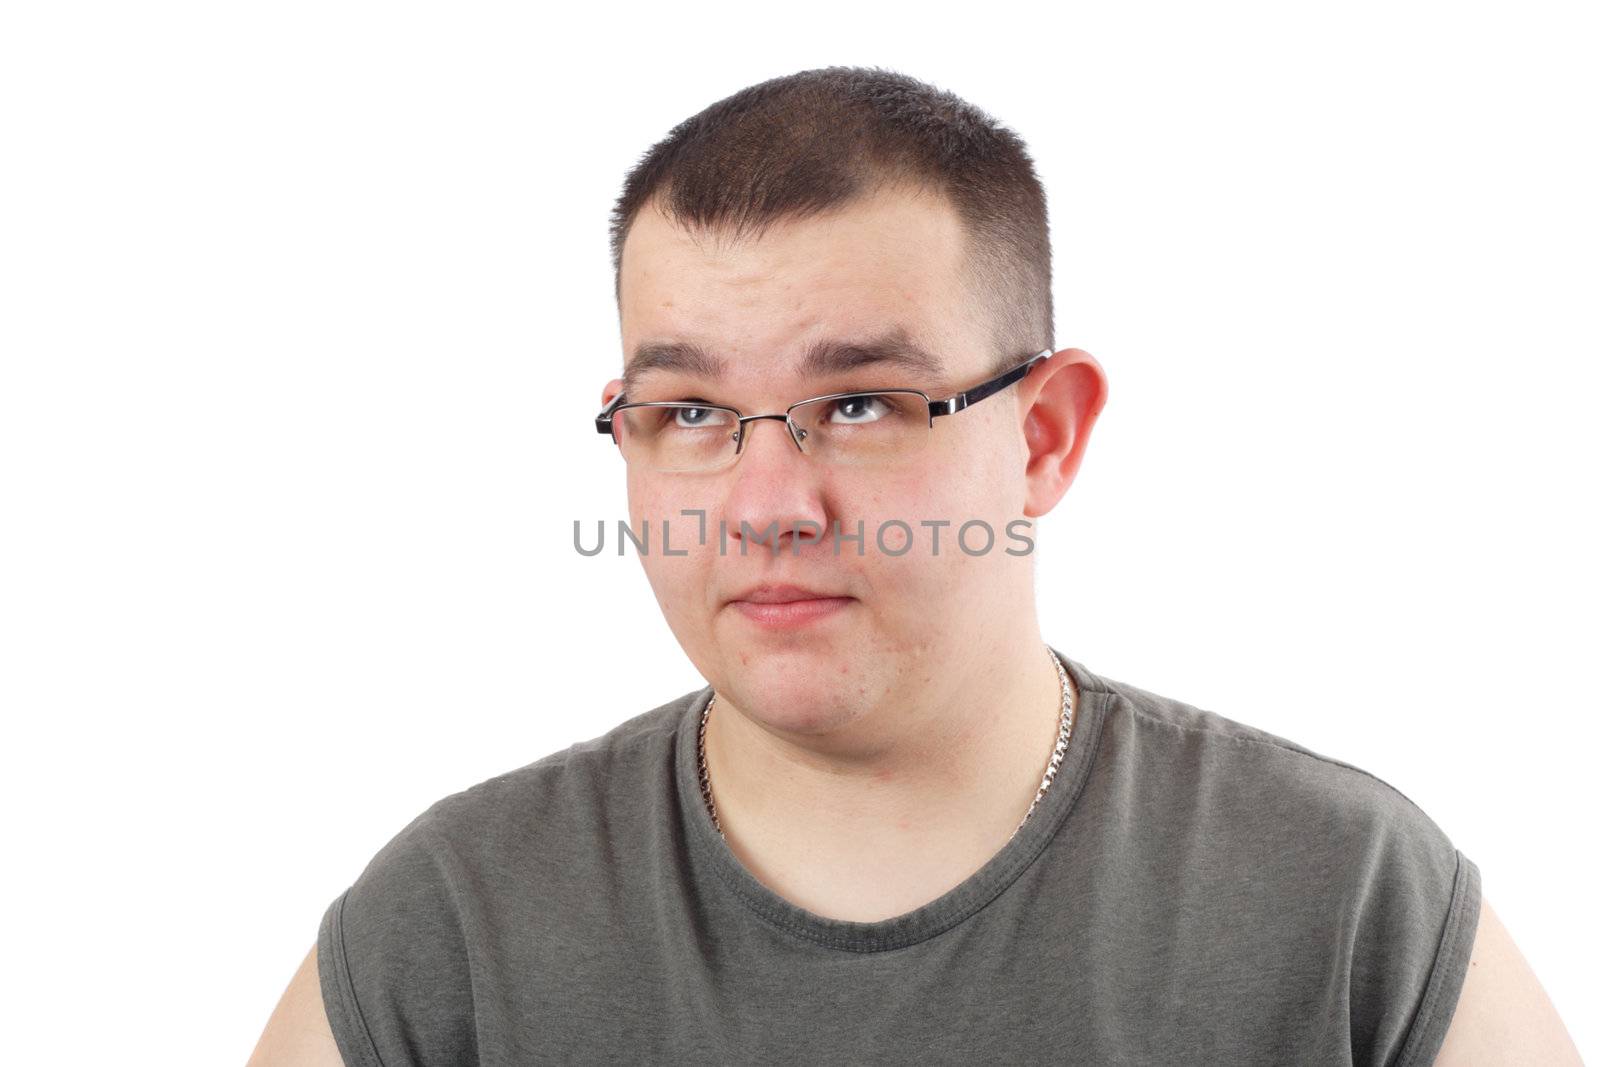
{"x": 890, "y": 263}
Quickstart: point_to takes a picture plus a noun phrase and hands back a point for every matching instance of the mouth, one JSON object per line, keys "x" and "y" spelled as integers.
{"x": 788, "y": 606}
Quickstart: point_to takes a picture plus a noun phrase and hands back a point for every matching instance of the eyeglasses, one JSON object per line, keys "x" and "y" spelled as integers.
{"x": 874, "y": 427}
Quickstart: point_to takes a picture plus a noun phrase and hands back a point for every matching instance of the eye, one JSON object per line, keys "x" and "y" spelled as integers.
{"x": 694, "y": 418}
{"x": 861, "y": 409}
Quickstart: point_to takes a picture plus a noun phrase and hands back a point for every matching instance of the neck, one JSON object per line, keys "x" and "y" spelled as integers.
{"x": 910, "y": 797}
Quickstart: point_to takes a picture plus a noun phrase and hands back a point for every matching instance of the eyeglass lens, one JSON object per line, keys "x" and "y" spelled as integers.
{"x": 863, "y": 428}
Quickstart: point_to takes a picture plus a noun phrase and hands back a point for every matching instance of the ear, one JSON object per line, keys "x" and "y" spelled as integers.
{"x": 1060, "y": 400}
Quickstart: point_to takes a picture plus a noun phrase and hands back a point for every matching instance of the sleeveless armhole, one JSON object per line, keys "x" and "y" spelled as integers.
{"x": 1449, "y": 973}
{"x": 393, "y": 961}
{"x": 339, "y": 995}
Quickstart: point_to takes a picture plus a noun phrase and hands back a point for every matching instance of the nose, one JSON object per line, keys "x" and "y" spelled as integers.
{"x": 776, "y": 491}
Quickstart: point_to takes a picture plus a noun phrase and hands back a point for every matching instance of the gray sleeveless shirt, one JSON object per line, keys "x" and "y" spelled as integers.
{"x": 1189, "y": 890}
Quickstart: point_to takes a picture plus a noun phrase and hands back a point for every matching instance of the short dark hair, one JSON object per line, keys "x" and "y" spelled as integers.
{"x": 803, "y": 143}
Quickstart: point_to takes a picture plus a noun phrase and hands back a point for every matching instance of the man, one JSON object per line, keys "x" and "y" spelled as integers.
{"x": 897, "y": 825}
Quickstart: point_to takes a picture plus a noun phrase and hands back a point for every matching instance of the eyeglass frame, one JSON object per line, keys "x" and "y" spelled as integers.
{"x": 603, "y": 422}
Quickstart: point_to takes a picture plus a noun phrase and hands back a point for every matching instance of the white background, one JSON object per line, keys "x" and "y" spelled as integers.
{"x": 306, "y": 309}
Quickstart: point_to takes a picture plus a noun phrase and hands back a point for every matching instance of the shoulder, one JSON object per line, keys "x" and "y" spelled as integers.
{"x": 1329, "y": 857}
{"x": 398, "y": 950}
{"x": 1252, "y": 777}
{"x": 563, "y": 797}
{"x": 520, "y": 822}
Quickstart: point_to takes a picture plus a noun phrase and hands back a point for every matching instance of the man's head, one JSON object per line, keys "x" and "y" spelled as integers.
{"x": 805, "y": 144}
{"x": 858, "y": 214}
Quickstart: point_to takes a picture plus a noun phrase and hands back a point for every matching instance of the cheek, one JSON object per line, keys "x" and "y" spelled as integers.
{"x": 673, "y": 576}
{"x": 953, "y": 486}
{"x": 926, "y": 507}
{"x": 977, "y": 487}
{"x": 658, "y": 504}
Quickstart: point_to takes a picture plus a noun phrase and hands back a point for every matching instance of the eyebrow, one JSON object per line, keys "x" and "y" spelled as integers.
{"x": 822, "y": 358}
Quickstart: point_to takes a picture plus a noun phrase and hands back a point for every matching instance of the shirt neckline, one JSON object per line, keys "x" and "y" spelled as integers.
{"x": 937, "y": 915}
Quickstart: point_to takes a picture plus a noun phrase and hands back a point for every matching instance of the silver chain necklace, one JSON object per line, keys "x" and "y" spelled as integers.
{"x": 1049, "y": 772}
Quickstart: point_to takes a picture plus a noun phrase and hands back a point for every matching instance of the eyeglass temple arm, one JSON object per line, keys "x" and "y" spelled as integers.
{"x": 602, "y": 421}
{"x": 988, "y": 388}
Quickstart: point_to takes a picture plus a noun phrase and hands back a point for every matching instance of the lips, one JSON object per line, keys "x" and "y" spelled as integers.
{"x": 782, "y": 594}
{"x": 783, "y": 606}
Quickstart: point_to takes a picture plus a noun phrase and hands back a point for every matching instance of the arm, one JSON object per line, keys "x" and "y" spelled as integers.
{"x": 1503, "y": 1015}
{"x": 298, "y": 1034}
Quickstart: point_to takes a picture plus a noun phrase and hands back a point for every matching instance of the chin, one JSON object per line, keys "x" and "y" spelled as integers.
{"x": 808, "y": 700}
